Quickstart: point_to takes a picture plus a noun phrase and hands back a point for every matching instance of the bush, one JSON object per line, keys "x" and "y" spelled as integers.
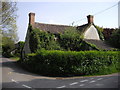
{"x": 71, "y": 40}
{"x": 19, "y": 47}
{"x": 115, "y": 39}
{"x": 69, "y": 63}
{"x": 7, "y": 46}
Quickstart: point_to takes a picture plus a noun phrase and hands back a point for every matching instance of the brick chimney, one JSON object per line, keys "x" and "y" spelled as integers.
{"x": 31, "y": 18}
{"x": 90, "y": 19}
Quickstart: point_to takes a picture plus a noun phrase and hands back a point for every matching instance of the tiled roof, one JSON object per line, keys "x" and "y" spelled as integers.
{"x": 84, "y": 27}
{"x": 52, "y": 28}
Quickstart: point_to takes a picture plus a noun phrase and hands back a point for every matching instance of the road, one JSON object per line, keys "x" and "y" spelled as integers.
{"x": 14, "y": 76}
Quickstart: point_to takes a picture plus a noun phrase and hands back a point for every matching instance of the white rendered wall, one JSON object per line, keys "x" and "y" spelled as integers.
{"x": 91, "y": 33}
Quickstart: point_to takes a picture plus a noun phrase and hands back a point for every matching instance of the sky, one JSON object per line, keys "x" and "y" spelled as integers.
{"x": 119, "y": 14}
{"x": 65, "y": 13}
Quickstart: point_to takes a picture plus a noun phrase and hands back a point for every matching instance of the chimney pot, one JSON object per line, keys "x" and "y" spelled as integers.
{"x": 90, "y": 19}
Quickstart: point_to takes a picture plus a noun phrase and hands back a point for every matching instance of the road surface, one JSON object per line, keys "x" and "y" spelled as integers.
{"x": 14, "y": 76}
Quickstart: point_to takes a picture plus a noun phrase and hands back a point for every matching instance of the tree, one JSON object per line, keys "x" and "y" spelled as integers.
{"x": 8, "y": 27}
{"x": 8, "y": 22}
{"x": 115, "y": 38}
{"x": 19, "y": 46}
{"x": 7, "y": 46}
{"x": 70, "y": 39}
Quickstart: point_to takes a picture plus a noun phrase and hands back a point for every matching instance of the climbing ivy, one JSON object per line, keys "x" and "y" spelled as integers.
{"x": 40, "y": 39}
{"x": 70, "y": 40}
{"x": 100, "y": 32}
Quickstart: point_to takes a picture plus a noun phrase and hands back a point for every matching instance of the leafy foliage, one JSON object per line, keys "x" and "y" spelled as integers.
{"x": 69, "y": 40}
{"x": 67, "y": 63}
{"x": 115, "y": 39}
{"x": 7, "y": 46}
{"x": 47, "y": 58}
{"x": 72, "y": 40}
{"x": 8, "y": 27}
{"x": 19, "y": 47}
{"x": 100, "y": 32}
{"x": 8, "y": 22}
{"x": 40, "y": 39}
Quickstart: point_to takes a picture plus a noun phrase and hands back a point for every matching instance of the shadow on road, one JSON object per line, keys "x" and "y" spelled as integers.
{"x": 15, "y": 67}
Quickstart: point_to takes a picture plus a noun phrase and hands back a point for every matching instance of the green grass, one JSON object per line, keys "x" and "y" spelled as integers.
{"x": 15, "y": 58}
{"x": 110, "y": 70}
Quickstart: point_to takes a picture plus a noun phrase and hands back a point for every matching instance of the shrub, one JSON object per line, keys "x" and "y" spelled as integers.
{"x": 7, "y": 46}
{"x": 71, "y": 40}
{"x": 115, "y": 39}
{"x": 67, "y": 63}
{"x": 19, "y": 47}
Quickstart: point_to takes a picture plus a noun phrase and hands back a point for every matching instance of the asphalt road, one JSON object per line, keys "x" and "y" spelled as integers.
{"x": 14, "y": 76}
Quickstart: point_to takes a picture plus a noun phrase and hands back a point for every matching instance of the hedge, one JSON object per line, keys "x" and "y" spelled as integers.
{"x": 70, "y": 63}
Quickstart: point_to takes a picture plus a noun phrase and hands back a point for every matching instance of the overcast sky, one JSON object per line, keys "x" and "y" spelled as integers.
{"x": 65, "y": 13}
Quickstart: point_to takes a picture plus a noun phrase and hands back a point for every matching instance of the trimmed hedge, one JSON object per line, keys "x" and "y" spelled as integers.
{"x": 70, "y": 63}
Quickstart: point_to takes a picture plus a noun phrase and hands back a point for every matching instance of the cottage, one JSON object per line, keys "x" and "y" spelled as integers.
{"x": 88, "y": 30}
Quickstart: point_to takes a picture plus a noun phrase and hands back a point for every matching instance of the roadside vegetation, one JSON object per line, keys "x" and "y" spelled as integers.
{"x": 16, "y": 58}
{"x": 72, "y": 63}
{"x": 8, "y": 28}
{"x": 12, "y": 50}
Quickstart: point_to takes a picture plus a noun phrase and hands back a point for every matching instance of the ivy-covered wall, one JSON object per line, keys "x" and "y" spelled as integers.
{"x": 70, "y": 40}
{"x": 42, "y": 40}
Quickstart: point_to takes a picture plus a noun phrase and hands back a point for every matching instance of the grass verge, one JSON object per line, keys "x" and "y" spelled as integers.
{"x": 15, "y": 58}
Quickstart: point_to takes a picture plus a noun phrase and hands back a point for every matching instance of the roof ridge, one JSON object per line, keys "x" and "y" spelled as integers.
{"x": 53, "y": 24}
